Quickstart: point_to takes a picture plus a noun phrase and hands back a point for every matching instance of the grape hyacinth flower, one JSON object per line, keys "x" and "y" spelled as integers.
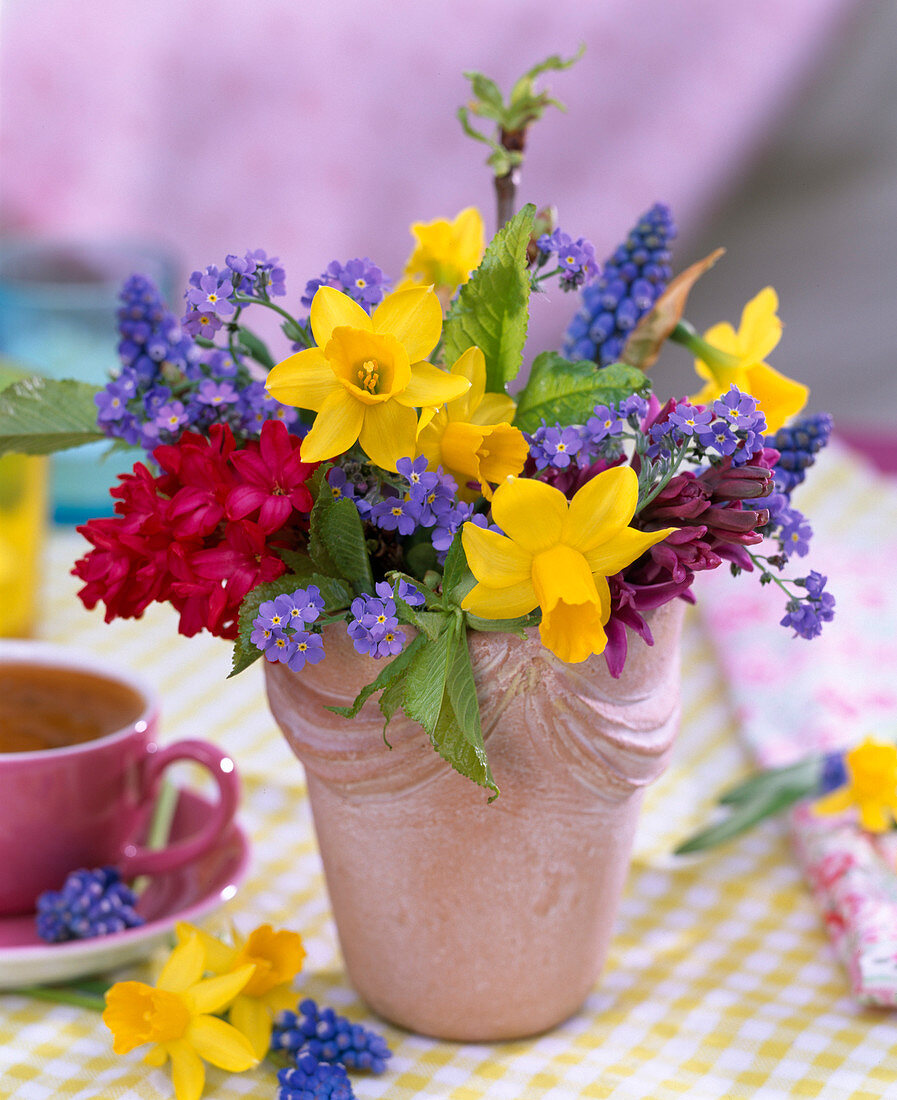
{"x": 319, "y": 1032}
{"x": 91, "y": 903}
{"x": 631, "y": 281}
{"x": 798, "y": 446}
{"x": 310, "y": 1079}
{"x": 834, "y": 773}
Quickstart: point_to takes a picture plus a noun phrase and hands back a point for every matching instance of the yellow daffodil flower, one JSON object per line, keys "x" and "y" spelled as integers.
{"x": 742, "y": 362}
{"x": 446, "y": 252}
{"x": 871, "y": 786}
{"x": 556, "y": 554}
{"x": 367, "y": 374}
{"x": 277, "y": 958}
{"x": 471, "y": 437}
{"x": 176, "y": 1015}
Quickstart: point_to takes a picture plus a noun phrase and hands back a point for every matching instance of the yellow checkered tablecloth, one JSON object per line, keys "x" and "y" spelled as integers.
{"x": 720, "y": 983}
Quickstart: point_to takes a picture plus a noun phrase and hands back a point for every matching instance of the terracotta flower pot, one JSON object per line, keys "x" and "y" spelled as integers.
{"x": 465, "y": 920}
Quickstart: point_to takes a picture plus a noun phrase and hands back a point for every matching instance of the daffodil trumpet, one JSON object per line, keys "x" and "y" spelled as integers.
{"x": 367, "y": 374}
{"x": 177, "y": 1016}
{"x": 557, "y": 554}
{"x": 471, "y": 437}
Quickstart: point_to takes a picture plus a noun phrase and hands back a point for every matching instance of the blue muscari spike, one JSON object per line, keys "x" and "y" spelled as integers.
{"x": 329, "y": 1038}
{"x": 310, "y": 1079}
{"x": 798, "y": 446}
{"x": 631, "y": 281}
{"x": 91, "y": 903}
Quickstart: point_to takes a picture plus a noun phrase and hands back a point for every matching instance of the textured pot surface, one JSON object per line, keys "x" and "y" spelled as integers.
{"x": 457, "y": 918}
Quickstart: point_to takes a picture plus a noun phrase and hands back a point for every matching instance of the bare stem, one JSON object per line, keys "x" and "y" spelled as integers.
{"x": 506, "y": 186}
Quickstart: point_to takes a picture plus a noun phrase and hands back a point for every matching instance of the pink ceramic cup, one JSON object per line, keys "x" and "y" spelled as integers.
{"x": 86, "y": 805}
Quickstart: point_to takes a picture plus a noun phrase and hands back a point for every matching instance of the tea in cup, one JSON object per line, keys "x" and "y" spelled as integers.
{"x": 80, "y": 770}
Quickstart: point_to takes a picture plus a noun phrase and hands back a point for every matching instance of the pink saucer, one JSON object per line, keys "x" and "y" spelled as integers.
{"x": 185, "y": 894}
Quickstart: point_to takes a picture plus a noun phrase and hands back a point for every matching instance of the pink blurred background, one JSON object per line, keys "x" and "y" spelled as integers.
{"x": 320, "y": 130}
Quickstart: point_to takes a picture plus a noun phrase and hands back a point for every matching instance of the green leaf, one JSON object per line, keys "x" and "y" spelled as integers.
{"x": 256, "y": 348}
{"x": 11, "y": 372}
{"x": 298, "y": 563}
{"x": 803, "y": 776}
{"x": 336, "y": 542}
{"x": 295, "y": 332}
{"x": 491, "y": 309}
{"x": 394, "y": 669}
{"x": 420, "y": 558}
{"x": 743, "y": 817}
{"x": 440, "y": 694}
{"x": 491, "y": 103}
{"x": 559, "y": 390}
{"x": 457, "y": 579}
{"x": 429, "y": 623}
{"x": 505, "y": 626}
{"x": 41, "y": 415}
{"x": 553, "y": 63}
{"x": 336, "y": 594}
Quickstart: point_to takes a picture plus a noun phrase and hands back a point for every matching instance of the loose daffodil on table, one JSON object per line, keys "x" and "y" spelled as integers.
{"x": 446, "y": 251}
{"x": 367, "y": 374}
{"x": 871, "y": 786}
{"x": 742, "y": 362}
{"x": 557, "y": 554}
{"x": 277, "y": 958}
{"x": 177, "y": 1016}
{"x": 471, "y": 437}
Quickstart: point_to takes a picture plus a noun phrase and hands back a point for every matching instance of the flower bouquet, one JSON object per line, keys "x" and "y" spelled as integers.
{"x": 375, "y": 502}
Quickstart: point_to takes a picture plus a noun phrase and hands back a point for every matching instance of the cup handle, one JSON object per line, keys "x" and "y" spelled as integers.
{"x": 135, "y": 860}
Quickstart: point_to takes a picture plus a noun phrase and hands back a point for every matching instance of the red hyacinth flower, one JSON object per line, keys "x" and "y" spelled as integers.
{"x": 273, "y": 479}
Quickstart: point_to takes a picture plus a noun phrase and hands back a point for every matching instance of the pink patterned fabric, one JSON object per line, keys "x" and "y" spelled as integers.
{"x": 319, "y": 130}
{"x": 794, "y": 698}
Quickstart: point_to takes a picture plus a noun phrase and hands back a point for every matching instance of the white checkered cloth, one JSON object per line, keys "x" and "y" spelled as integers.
{"x": 721, "y": 982}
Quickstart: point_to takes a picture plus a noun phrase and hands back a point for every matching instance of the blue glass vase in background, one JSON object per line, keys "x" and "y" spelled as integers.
{"x": 58, "y": 303}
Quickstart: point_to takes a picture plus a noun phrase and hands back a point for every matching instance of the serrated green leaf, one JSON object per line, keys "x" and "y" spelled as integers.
{"x": 457, "y": 579}
{"x": 565, "y": 392}
{"x": 429, "y": 623}
{"x": 257, "y": 349}
{"x": 41, "y": 415}
{"x": 440, "y": 694}
{"x": 336, "y": 542}
{"x": 394, "y": 669}
{"x": 336, "y": 593}
{"x": 491, "y": 310}
{"x": 298, "y": 563}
